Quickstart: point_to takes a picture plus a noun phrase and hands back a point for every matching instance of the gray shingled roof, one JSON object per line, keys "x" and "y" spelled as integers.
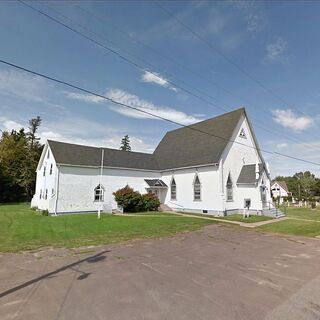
{"x": 185, "y": 147}
{"x": 179, "y": 148}
{"x": 248, "y": 174}
{"x": 73, "y": 154}
{"x": 155, "y": 183}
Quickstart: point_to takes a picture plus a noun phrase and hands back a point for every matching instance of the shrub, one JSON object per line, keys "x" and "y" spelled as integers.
{"x": 45, "y": 212}
{"x": 132, "y": 201}
{"x": 128, "y": 199}
{"x": 150, "y": 202}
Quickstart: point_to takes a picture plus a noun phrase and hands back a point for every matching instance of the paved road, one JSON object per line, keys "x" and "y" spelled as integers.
{"x": 217, "y": 273}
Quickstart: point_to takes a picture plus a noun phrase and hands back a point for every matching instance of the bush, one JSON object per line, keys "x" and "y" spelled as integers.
{"x": 313, "y": 205}
{"x": 45, "y": 212}
{"x": 150, "y": 202}
{"x": 132, "y": 201}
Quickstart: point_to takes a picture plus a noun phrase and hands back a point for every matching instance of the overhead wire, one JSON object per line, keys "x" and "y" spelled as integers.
{"x": 190, "y": 127}
{"x": 142, "y": 68}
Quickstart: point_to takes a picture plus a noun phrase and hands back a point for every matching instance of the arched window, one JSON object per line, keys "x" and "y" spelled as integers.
{"x": 98, "y": 193}
{"x": 196, "y": 189}
{"x": 173, "y": 189}
{"x": 229, "y": 189}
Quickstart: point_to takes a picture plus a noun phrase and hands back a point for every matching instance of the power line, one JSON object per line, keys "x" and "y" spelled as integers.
{"x": 191, "y": 127}
{"x": 237, "y": 66}
{"x": 129, "y": 35}
{"x": 122, "y": 57}
{"x": 136, "y": 65}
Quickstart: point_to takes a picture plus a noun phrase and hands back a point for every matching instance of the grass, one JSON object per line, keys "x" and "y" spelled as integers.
{"x": 233, "y": 217}
{"x": 251, "y": 219}
{"x": 297, "y": 227}
{"x": 303, "y": 213}
{"x": 24, "y": 229}
{"x": 293, "y": 227}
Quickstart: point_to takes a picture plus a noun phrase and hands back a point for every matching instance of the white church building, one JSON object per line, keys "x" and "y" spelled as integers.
{"x": 216, "y": 169}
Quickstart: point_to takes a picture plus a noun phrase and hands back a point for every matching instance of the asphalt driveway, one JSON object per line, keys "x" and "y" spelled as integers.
{"x": 216, "y": 273}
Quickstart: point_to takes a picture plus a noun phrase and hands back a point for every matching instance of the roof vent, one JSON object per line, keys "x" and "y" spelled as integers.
{"x": 242, "y": 134}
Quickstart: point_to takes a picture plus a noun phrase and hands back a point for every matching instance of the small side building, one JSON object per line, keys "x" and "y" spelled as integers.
{"x": 279, "y": 190}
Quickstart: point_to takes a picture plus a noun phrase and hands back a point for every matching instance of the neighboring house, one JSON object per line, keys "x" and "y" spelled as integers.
{"x": 216, "y": 173}
{"x": 279, "y": 189}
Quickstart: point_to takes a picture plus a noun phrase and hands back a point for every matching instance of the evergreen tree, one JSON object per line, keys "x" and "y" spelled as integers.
{"x": 19, "y": 156}
{"x": 125, "y": 143}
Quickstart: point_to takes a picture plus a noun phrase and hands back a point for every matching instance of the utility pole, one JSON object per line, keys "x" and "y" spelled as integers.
{"x": 101, "y": 193}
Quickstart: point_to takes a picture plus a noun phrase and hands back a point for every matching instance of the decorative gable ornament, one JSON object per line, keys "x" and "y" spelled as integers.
{"x": 242, "y": 134}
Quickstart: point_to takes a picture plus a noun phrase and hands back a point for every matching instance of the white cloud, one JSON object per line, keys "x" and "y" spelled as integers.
{"x": 156, "y": 78}
{"x": 22, "y": 85}
{"x": 138, "y": 103}
{"x": 283, "y": 166}
{"x": 9, "y": 125}
{"x": 75, "y": 131}
{"x": 276, "y": 49}
{"x": 252, "y": 14}
{"x": 83, "y": 97}
{"x": 288, "y": 119}
{"x": 282, "y": 145}
{"x": 112, "y": 141}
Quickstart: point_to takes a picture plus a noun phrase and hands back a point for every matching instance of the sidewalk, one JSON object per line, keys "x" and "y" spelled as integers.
{"x": 190, "y": 215}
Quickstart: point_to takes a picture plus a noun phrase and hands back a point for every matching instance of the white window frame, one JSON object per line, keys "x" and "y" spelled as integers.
{"x": 175, "y": 190}
{"x": 194, "y": 188}
{"x": 229, "y": 187}
{"x": 98, "y": 197}
{"x": 51, "y": 168}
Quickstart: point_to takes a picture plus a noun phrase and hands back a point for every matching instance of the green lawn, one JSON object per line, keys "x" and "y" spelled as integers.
{"x": 24, "y": 229}
{"x": 303, "y": 213}
{"x": 297, "y": 227}
{"x": 233, "y": 217}
{"x": 251, "y": 219}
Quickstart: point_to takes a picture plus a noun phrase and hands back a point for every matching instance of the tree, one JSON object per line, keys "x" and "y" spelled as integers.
{"x": 19, "y": 156}
{"x": 307, "y": 181}
{"x": 34, "y": 125}
{"x": 304, "y": 184}
{"x": 125, "y": 143}
{"x": 13, "y": 154}
{"x": 34, "y": 153}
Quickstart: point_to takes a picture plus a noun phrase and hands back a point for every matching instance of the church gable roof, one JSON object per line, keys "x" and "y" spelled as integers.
{"x": 248, "y": 174}
{"x": 79, "y": 155}
{"x": 185, "y": 147}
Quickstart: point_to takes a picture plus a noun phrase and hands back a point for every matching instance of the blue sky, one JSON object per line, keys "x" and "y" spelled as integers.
{"x": 276, "y": 43}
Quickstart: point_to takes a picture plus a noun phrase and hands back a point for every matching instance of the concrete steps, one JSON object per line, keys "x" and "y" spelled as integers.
{"x": 273, "y": 212}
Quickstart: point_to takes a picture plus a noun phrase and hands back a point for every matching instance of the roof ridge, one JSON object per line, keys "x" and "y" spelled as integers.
{"x": 94, "y": 147}
{"x": 243, "y": 109}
